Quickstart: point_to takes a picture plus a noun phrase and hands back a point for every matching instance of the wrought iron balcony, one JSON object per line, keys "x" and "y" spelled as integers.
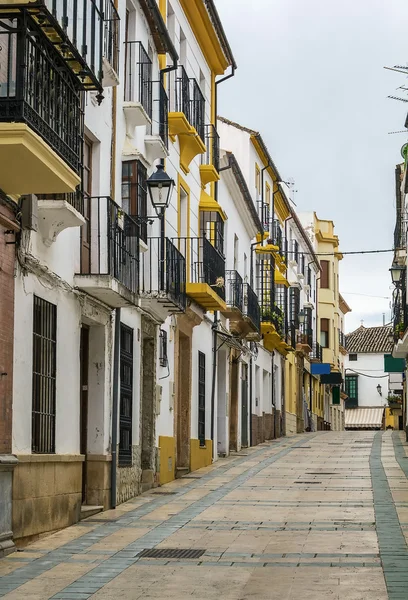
{"x": 182, "y": 98}
{"x": 85, "y": 34}
{"x": 33, "y": 81}
{"x": 138, "y": 78}
{"x": 109, "y": 268}
{"x": 251, "y": 307}
{"x": 197, "y": 112}
{"x": 317, "y": 353}
{"x": 212, "y": 144}
{"x": 163, "y": 278}
{"x": 266, "y": 217}
{"x": 205, "y": 272}
{"x": 277, "y": 237}
{"x": 234, "y": 291}
{"x": 305, "y": 338}
{"x": 278, "y": 319}
{"x": 342, "y": 340}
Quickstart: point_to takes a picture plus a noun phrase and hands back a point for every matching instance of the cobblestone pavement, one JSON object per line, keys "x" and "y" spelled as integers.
{"x": 320, "y": 516}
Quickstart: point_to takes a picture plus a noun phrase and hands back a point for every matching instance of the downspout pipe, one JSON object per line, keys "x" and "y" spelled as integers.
{"x": 217, "y": 83}
{"x": 115, "y": 407}
{"x": 214, "y": 375}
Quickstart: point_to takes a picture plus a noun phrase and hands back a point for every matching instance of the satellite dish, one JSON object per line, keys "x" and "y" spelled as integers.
{"x": 404, "y": 151}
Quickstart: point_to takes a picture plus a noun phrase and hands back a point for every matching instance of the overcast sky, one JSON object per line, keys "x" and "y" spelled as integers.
{"x": 310, "y": 78}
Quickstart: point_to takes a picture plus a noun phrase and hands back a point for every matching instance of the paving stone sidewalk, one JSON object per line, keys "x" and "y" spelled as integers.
{"x": 317, "y": 516}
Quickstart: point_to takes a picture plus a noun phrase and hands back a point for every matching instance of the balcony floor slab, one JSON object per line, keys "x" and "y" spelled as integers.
{"x": 107, "y": 289}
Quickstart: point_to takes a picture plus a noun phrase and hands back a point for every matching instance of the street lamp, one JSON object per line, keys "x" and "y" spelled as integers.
{"x": 396, "y": 273}
{"x": 379, "y": 389}
{"x": 160, "y": 187}
{"x": 302, "y": 317}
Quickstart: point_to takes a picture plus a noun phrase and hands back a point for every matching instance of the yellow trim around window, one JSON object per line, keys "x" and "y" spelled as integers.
{"x": 181, "y": 184}
{"x": 257, "y": 178}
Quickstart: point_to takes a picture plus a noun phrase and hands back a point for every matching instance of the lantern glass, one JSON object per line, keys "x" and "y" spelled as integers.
{"x": 302, "y": 317}
{"x": 160, "y": 187}
{"x": 396, "y": 273}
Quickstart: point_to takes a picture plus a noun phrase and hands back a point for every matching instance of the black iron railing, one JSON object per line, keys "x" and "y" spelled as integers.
{"x": 212, "y": 143}
{"x": 342, "y": 340}
{"x": 291, "y": 335}
{"x": 278, "y": 319}
{"x": 138, "y": 76}
{"x": 234, "y": 290}
{"x": 163, "y": 272}
{"x": 75, "y": 199}
{"x": 111, "y": 35}
{"x": 305, "y": 336}
{"x": 38, "y": 89}
{"x": 85, "y": 32}
{"x": 251, "y": 306}
{"x": 204, "y": 263}
{"x": 197, "y": 119}
{"x": 112, "y": 246}
{"x": 265, "y": 286}
{"x": 182, "y": 93}
{"x": 266, "y": 217}
{"x": 163, "y": 113}
{"x": 277, "y": 237}
{"x": 317, "y": 352}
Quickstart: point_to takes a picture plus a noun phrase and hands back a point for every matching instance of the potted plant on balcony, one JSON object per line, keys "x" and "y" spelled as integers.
{"x": 399, "y": 330}
{"x": 394, "y": 401}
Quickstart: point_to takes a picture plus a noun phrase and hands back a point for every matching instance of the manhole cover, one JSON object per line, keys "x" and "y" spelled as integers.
{"x": 171, "y": 553}
{"x": 308, "y": 482}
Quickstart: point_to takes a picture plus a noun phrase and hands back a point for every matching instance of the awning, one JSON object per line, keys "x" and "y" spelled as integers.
{"x": 363, "y": 418}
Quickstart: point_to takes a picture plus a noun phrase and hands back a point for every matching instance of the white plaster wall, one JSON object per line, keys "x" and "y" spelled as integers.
{"x": 372, "y": 365}
{"x": 67, "y": 368}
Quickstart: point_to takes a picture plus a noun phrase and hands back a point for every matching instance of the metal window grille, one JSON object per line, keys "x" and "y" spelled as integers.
{"x": 126, "y": 395}
{"x": 44, "y": 376}
{"x": 294, "y": 306}
{"x": 201, "y": 398}
{"x": 164, "y": 361}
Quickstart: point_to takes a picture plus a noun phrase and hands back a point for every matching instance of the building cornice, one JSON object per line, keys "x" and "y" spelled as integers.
{"x": 208, "y": 30}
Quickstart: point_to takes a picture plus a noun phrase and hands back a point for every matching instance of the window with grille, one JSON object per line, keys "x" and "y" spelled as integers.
{"x": 126, "y": 396}
{"x": 294, "y": 306}
{"x": 201, "y": 398}
{"x": 163, "y": 349}
{"x": 134, "y": 193}
{"x": 44, "y": 376}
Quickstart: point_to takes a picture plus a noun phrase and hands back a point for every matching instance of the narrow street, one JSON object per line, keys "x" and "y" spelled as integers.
{"x": 317, "y": 516}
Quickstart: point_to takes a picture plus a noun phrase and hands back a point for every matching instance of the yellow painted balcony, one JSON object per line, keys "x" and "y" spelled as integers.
{"x": 205, "y": 272}
{"x": 40, "y": 136}
{"x": 186, "y": 118}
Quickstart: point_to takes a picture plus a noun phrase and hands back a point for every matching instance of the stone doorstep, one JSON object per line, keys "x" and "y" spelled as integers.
{"x": 89, "y": 511}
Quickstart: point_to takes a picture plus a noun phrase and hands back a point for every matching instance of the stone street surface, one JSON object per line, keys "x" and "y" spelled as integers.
{"x": 320, "y": 516}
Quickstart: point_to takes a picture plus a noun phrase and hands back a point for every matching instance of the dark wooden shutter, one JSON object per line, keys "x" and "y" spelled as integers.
{"x": 324, "y": 279}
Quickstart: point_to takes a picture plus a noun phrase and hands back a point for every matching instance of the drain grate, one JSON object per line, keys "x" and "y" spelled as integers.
{"x": 308, "y": 482}
{"x": 191, "y": 477}
{"x": 320, "y": 473}
{"x": 171, "y": 553}
{"x": 165, "y": 493}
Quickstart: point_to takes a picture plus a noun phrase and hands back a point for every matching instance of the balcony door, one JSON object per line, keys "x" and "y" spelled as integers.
{"x": 87, "y": 193}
